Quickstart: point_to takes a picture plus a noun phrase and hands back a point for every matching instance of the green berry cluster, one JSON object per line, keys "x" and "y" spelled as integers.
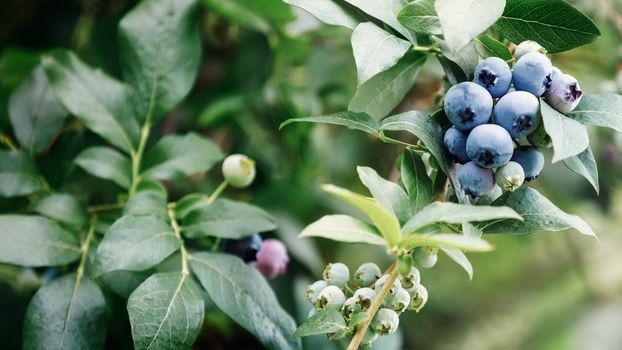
{"x": 354, "y": 297}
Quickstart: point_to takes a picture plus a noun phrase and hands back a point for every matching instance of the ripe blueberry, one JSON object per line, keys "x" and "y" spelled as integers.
{"x": 246, "y": 248}
{"x": 336, "y": 274}
{"x": 494, "y": 75}
{"x": 526, "y": 47}
{"x": 564, "y": 94}
{"x": 518, "y": 112}
{"x": 385, "y": 322}
{"x": 532, "y": 73}
{"x": 531, "y": 159}
{"x": 510, "y": 176}
{"x": 272, "y": 258}
{"x": 468, "y": 105}
{"x": 455, "y": 142}
{"x": 489, "y": 145}
{"x": 475, "y": 180}
{"x": 367, "y": 274}
{"x": 540, "y": 138}
{"x": 238, "y": 170}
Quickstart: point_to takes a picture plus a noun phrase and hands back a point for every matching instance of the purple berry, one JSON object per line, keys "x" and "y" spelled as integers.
{"x": 246, "y": 248}
{"x": 272, "y": 258}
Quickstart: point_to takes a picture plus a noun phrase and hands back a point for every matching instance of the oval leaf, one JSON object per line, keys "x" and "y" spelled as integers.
{"x": 420, "y": 16}
{"x": 329, "y": 12}
{"x": 601, "y": 110}
{"x": 446, "y": 240}
{"x": 386, "y": 11}
{"x": 585, "y": 165}
{"x": 106, "y": 163}
{"x": 569, "y": 136}
{"x": 18, "y": 175}
{"x": 166, "y": 312}
{"x": 416, "y": 180}
{"x": 359, "y": 121}
{"x": 66, "y": 313}
{"x": 343, "y": 228}
{"x": 389, "y": 194}
{"x": 36, "y": 241}
{"x": 459, "y": 258}
{"x": 64, "y": 208}
{"x": 322, "y": 322}
{"x": 241, "y": 292}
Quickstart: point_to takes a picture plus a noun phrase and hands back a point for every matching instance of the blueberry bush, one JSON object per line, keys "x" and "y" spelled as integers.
{"x": 157, "y": 167}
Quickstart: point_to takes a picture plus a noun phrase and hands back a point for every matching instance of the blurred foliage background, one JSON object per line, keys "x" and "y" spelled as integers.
{"x": 264, "y": 62}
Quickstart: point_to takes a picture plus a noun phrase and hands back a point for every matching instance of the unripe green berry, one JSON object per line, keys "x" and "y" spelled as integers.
{"x": 381, "y": 282}
{"x": 397, "y": 302}
{"x": 364, "y": 297}
{"x": 369, "y": 337}
{"x": 385, "y": 322}
{"x": 350, "y": 308}
{"x": 526, "y": 47}
{"x": 418, "y": 298}
{"x": 426, "y": 257}
{"x": 336, "y": 274}
{"x": 411, "y": 280}
{"x": 540, "y": 138}
{"x": 510, "y": 176}
{"x": 367, "y": 274}
{"x": 238, "y": 170}
{"x": 330, "y": 298}
{"x": 314, "y": 289}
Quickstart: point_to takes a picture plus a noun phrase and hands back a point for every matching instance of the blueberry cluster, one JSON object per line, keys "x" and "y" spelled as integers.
{"x": 354, "y": 297}
{"x": 268, "y": 256}
{"x": 489, "y": 118}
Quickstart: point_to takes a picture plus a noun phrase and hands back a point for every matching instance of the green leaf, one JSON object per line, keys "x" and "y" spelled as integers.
{"x": 464, "y": 20}
{"x": 36, "y": 115}
{"x": 420, "y": 16}
{"x": 488, "y": 46}
{"x": 16, "y": 64}
{"x": 36, "y": 241}
{"x": 135, "y": 244}
{"x": 329, "y": 11}
{"x": 375, "y": 50}
{"x": 423, "y": 127}
{"x": 466, "y": 59}
{"x": 415, "y": 178}
{"x": 538, "y": 213}
{"x": 241, "y": 292}
{"x": 379, "y": 95}
{"x": 177, "y": 156}
{"x": 227, "y": 219}
{"x": 356, "y": 121}
{"x": 18, "y": 175}
{"x": 238, "y": 13}
{"x": 453, "y": 213}
{"x": 585, "y": 165}
{"x": 459, "y": 258}
{"x": 455, "y": 74}
{"x": 149, "y": 199}
{"x": 123, "y": 283}
{"x": 601, "y": 110}
{"x": 388, "y": 193}
{"x": 386, "y": 11}
{"x": 275, "y": 12}
{"x": 106, "y": 163}
{"x": 404, "y": 264}
{"x": 569, "y": 136}
{"x": 66, "y": 313}
{"x": 556, "y": 25}
{"x": 343, "y": 228}
{"x": 190, "y": 202}
{"x": 160, "y": 49}
{"x": 322, "y": 322}
{"x": 64, "y": 208}
{"x": 385, "y": 221}
{"x": 103, "y": 104}
{"x": 166, "y": 312}
{"x": 446, "y": 240}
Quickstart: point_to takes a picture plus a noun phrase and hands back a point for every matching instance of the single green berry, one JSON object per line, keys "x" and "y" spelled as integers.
{"x": 336, "y": 274}
{"x": 397, "y": 302}
{"x": 527, "y": 47}
{"x": 330, "y": 298}
{"x": 238, "y": 170}
{"x": 510, "y": 176}
{"x": 418, "y": 298}
{"x": 381, "y": 282}
{"x": 411, "y": 280}
{"x": 385, "y": 322}
{"x": 540, "y": 138}
{"x": 314, "y": 289}
{"x": 350, "y": 308}
{"x": 367, "y": 274}
{"x": 426, "y": 257}
{"x": 369, "y": 337}
{"x": 364, "y": 297}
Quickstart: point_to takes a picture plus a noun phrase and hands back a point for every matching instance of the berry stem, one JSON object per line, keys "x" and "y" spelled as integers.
{"x": 217, "y": 192}
{"x": 6, "y": 140}
{"x": 138, "y": 155}
{"x": 84, "y": 249}
{"x": 184, "y": 253}
{"x": 373, "y": 308}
